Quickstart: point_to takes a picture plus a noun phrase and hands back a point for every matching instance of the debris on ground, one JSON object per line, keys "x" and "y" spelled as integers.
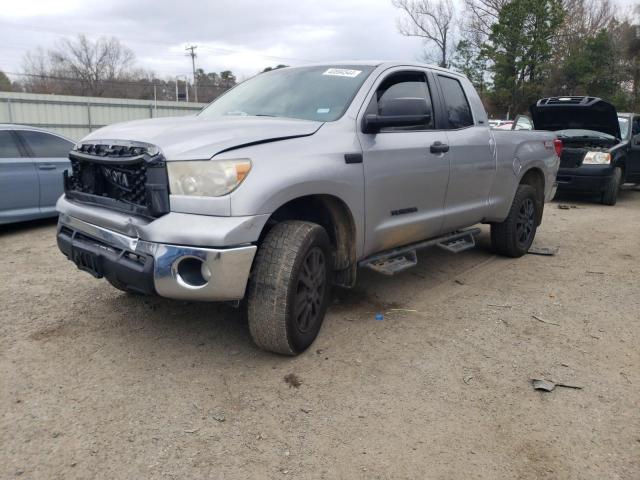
{"x": 466, "y": 379}
{"x": 306, "y": 410}
{"x": 292, "y": 380}
{"x": 193, "y": 430}
{"x": 458, "y": 281}
{"x": 496, "y": 305}
{"x": 564, "y": 207}
{"x": 548, "y": 251}
{"x": 548, "y": 386}
{"x": 218, "y": 416}
{"x": 544, "y": 321}
{"x": 593, "y": 272}
{"x": 379, "y": 316}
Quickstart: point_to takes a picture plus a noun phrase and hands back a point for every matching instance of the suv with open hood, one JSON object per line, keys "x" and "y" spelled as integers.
{"x": 596, "y": 157}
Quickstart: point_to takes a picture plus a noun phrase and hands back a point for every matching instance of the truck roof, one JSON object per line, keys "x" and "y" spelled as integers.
{"x": 379, "y": 63}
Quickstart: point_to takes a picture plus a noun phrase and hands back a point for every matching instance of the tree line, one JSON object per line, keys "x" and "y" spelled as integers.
{"x": 516, "y": 51}
{"x": 106, "y": 68}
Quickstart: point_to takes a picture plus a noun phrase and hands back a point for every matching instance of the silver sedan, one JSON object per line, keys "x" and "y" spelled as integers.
{"x": 32, "y": 162}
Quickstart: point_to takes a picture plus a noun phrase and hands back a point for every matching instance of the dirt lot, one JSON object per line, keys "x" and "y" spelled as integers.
{"x": 95, "y": 383}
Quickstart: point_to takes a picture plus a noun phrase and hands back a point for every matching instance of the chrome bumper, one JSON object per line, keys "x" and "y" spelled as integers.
{"x": 179, "y": 272}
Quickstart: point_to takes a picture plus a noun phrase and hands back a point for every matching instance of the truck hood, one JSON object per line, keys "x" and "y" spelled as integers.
{"x": 199, "y": 138}
{"x": 575, "y": 113}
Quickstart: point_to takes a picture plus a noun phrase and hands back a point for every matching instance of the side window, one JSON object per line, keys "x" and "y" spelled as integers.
{"x": 46, "y": 145}
{"x": 8, "y": 146}
{"x": 523, "y": 123}
{"x": 456, "y": 102}
{"x": 636, "y": 126}
{"x": 392, "y": 95}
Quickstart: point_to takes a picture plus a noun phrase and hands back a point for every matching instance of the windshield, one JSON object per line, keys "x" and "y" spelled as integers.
{"x": 579, "y": 133}
{"x": 624, "y": 126}
{"x": 309, "y": 93}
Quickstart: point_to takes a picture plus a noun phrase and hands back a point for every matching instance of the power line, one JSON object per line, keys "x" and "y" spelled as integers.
{"x": 143, "y": 82}
{"x": 146, "y": 41}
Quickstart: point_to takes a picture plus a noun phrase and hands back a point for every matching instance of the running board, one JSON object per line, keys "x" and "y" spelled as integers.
{"x": 399, "y": 259}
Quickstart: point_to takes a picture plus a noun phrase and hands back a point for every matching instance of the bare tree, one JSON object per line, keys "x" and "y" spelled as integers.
{"x": 93, "y": 66}
{"x": 584, "y": 18}
{"x": 431, "y": 20}
{"x": 480, "y": 17}
{"x": 92, "y": 62}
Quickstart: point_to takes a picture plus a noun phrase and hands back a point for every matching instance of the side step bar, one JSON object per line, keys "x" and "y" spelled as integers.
{"x": 399, "y": 259}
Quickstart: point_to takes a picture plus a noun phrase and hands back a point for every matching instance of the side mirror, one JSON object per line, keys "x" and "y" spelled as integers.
{"x": 373, "y": 123}
{"x": 398, "y": 112}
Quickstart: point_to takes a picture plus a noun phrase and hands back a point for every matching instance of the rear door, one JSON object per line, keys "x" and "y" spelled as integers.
{"x": 50, "y": 155}
{"x": 405, "y": 183}
{"x": 19, "y": 187}
{"x": 472, "y": 156}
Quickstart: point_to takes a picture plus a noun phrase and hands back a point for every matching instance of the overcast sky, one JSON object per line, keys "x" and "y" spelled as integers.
{"x": 241, "y": 35}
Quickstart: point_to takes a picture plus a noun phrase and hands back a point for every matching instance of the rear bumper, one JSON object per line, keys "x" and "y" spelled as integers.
{"x": 588, "y": 178}
{"x": 172, "y": 271}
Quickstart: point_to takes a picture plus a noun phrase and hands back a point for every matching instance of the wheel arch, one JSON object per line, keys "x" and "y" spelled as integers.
{"x": 335, "y": 216}
{"x": 534, "y": 177}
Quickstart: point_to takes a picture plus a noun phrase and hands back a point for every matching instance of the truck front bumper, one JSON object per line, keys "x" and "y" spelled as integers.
{"x": 587, "y": 178}
{"x": 168, "y": 270}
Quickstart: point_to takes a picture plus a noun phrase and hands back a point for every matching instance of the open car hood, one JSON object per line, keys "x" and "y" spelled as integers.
{"x": 583, "y": 113}
{"x": 200, "y": 138}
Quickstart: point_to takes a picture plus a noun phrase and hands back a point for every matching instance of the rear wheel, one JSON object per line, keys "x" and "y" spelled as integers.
{"x": 289, "y": 288}
{"x": 514, "y": 236}
{"x": 610, "y": 194}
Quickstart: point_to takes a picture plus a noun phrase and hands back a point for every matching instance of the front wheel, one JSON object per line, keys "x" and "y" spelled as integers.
{"x": 610, "y": 194}
{"x": 514, "y": 236}
{"x": 289, "y": 288}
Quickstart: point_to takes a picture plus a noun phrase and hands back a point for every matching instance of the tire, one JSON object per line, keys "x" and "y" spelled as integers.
{"x": 289, "y": 288}
{"x": 610, "y": 194}
{"x": 514, "y": 236}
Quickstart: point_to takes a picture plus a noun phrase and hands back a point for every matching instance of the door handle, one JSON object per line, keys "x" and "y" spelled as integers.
{"x": 46, "y": 166}
{"x": 439, "y": 147}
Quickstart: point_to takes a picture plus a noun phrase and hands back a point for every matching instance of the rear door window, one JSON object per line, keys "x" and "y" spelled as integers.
{"x": 44, "y": 145}
{"x": 8, "y": 146}
{"x": 456, "y": 103}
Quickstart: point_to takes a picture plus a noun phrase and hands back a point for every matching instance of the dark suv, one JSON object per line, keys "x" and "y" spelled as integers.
{"x": 601, "y": 148}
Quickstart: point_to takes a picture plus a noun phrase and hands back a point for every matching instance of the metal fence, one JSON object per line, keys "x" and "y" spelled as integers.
{"x": 75, "y": 117}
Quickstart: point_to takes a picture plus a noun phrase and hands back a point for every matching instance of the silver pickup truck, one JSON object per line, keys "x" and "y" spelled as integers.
{"x": 285, "y": 185}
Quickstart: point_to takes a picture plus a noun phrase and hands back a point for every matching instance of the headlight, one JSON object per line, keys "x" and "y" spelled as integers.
{"x": 597, "y": 158}
{"x": 207, "y": 178}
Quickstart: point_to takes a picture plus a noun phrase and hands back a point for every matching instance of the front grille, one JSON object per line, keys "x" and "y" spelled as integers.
{"x": 130, "y": 178}
{"x": 572, "y": 157}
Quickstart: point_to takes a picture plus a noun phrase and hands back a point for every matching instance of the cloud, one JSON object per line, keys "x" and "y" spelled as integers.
{"x": 244, "y": 35}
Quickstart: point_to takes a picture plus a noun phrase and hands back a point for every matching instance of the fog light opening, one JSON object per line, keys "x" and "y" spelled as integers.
{"x": 192, "y": 271}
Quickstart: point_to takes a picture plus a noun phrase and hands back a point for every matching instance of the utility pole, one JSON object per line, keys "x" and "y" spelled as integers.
{"x": 192, "y": 54}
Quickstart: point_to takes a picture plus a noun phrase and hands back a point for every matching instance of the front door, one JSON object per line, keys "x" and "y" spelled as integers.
{"x": 405, "y": 183}
{"x": 19, "y": 189}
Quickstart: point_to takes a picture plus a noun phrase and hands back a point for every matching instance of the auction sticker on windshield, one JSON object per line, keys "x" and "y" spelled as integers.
{"x": 342, "y": 72}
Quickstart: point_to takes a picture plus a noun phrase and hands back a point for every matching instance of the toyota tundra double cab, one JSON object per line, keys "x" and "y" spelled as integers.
{"x": 288, "y": 183}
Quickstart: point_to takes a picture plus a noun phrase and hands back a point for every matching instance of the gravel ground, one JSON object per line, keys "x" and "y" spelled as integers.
{"x": 95, "y": 383}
